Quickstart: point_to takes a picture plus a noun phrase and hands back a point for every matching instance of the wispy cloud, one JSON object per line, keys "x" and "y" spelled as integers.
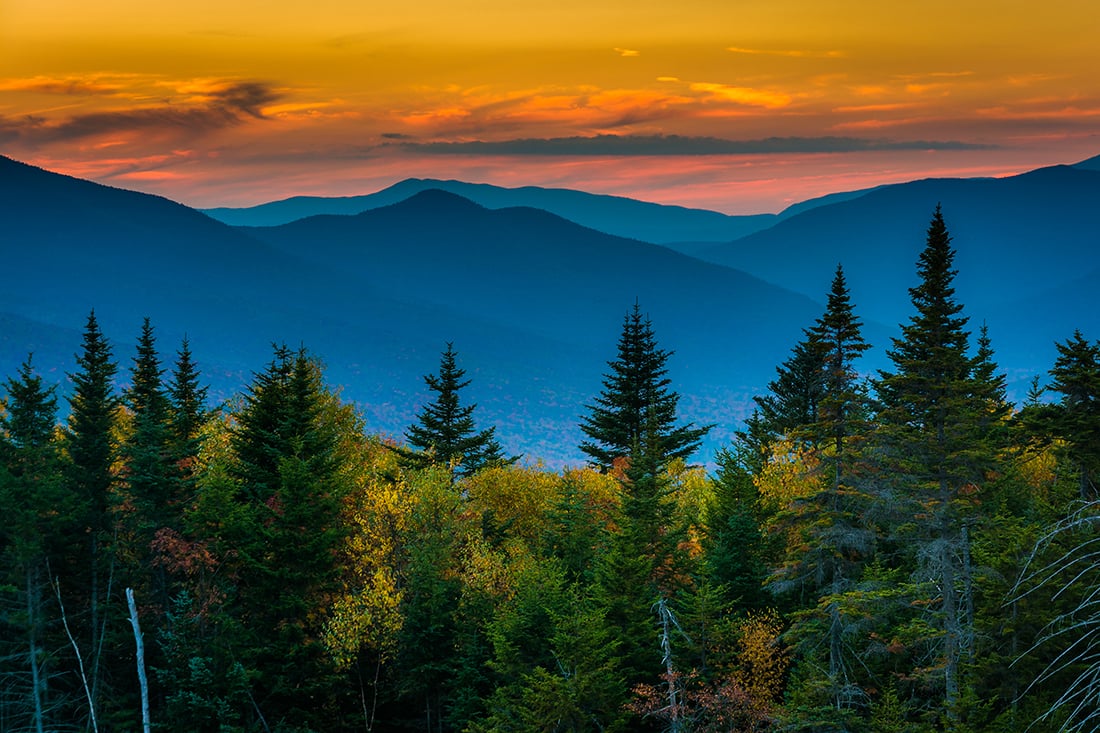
{"x": 214, "y": 107}
{"x": 81, "y": 86}
{"x": 626, "y": 52}
{"x": 659, "y": 145}
{"x": 747, "y": 96}
{"x": 787, "y": 53}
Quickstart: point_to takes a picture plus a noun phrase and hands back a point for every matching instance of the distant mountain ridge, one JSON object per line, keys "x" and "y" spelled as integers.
{"x": 532, "y": 302}
{"x": 623, "y": 217}
{"x": 1016, "y": 238}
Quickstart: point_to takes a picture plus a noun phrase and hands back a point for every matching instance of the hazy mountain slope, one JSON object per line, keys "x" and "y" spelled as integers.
{"x": 533, "y": 303}
{"x": 530, "y": 269}
{"x": 615, "y": 215}
{"x": 1016, "y": 237}
{"x": 77, "y": 245}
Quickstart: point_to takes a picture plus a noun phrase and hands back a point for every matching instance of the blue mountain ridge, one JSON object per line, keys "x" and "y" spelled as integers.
{"x": 624, "y": 217}
{"x": 532, "y": 302}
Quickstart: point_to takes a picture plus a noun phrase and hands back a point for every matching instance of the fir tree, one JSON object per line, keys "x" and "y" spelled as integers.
{"x": 445, "y": 433}
{"x": 38, "y": 517}
{"x": 1076, "y": 418}
{"x": 149, "y": 469}
{"x": 842, "y": 409}
{"x": 92, "y": 451}
{"x": 635, "y": 413}
{"x": 793, "y": 400}
{"x": 936, "y": 452}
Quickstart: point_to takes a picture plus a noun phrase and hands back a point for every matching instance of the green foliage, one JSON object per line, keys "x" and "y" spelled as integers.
{"x": 635, "y": 413}
{"x": 445, "y": 433}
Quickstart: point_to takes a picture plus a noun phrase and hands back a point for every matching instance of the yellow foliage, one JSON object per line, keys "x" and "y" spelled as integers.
{"x": 693, "y": 494}
{"x": 762, "y": 662}
{"x": 376, "y": 512}
{"x": 517, "y": 497}
{"x": 790, "y": 474}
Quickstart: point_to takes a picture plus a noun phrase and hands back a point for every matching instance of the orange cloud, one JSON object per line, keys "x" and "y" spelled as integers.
{"x": 747, "y": 96}
{"x": 788, "y": 53}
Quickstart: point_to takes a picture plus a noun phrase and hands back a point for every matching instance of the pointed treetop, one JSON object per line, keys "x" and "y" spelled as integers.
{"x": 635, "y": 413}
{"x": 445, "y": 433}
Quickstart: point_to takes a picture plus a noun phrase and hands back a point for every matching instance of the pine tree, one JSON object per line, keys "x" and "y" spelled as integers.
{"x": 794, "y": 397}
{"x": 1076, "y": 418}
{"x": 842, "y": 409}
{"x": 935, "y": 450}
{"x": 149, "y": 469}
{"x": 284, "y": 536}
{"x": 38, "y": 517}
{"x": 187, "y": 413}
{"x": 635, "y": 413}
{"x": 92, "y": 451}
{"x": 445, "y": 433}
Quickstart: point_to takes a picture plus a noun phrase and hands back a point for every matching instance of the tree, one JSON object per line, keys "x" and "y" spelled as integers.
{"x": 287, "y": 538}
{"x": 635, "y": 413}
{"x": 932, "y": 441}
{"x": 1076, "y": 419}
{"x": 38, "y": 514}
{"x": 92, "y": 451}
{"x": 149, "y": 467}
{"x": 445, "y": 434}
{"x": 842, "y": 408}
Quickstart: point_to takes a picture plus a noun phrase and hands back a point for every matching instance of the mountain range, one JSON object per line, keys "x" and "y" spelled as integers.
{"x": 532, "y": 300}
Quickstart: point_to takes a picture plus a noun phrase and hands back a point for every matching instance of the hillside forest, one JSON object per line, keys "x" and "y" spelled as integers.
{"x": 904, "y": 551}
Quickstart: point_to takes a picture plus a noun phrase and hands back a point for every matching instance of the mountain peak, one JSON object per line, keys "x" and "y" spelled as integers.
{"x": 437, "y": 198}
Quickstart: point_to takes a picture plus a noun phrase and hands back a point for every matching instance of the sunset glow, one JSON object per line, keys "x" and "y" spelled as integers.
{"x": 742, "y": 107}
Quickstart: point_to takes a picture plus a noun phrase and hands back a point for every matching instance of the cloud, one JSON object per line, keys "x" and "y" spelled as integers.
{"x": 627, "y": 52}
{"x": 220, "y": 106}
{"x": 65, "y": 85}
{"x": 788, "y": 53}
{"x": 747, "y": 96}
{"x": 656, "y": 145}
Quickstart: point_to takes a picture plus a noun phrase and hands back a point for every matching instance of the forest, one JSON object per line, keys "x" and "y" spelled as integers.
{"x": 904, "y": 551}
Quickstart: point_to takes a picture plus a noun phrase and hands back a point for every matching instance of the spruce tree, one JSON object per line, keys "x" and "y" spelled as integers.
{"x": 931, "y": 440}
{"x": 793, "y": 400}
{"x": 1076, "y": 417}
{"x": 149, "y": 469}
{"x": 92, "y": 451}
{"x": 445, "y": 433}
{"x": 635, "y": 413}
{"x": 842, "y": 410}
{"x": 187, "y": 413}
{"x": 283, "y": 536}
{"x": 38, "y": 520}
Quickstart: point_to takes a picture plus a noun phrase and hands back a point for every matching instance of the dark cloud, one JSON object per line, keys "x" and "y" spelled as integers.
{"x": 224, "y": 107}
{"x": 396, "y": 136}
{"x": 680, "y": 145}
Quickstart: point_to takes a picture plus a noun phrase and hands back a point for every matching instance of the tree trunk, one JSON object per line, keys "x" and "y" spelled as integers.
{"x": 140, "y": 660}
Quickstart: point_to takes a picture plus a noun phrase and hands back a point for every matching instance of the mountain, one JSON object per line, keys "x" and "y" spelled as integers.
{"x": 1092, "y": 164}
{"x": 1017, "y": 239}
{"x": 624, "y": 217}
{"x": 532, "y": 302}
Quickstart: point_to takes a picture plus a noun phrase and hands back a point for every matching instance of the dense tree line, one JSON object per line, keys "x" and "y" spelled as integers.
{"x": 904, "y": 551}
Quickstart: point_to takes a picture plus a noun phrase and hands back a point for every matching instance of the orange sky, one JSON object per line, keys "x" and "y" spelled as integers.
{"x": 740, "y": 106}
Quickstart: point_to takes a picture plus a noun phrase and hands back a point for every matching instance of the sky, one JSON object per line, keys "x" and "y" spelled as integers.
{"x": 742, "y": 106}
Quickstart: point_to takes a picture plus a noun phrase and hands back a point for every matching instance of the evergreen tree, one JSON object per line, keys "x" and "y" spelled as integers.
{"x": 936, "y": 454}
{"x": 292, "y": 492}
{"x": 635, "y": 413}
{"x": 92, "y": 450}
{"x": 445, "y": 433}
{"x": 793, "y": 400}
{"x": 38, "y": 517}
{"x": 842, "y": 409}
{"x": 187, "y": 413}
{"x": 1076, "y": 418}
{"x": 149, "y": 468}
